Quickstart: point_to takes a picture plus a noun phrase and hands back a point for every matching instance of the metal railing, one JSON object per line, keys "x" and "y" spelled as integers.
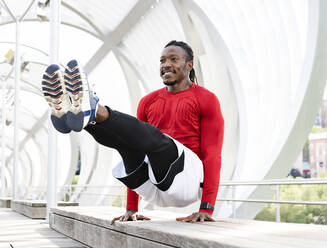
{"x": 276, "y": 184}
{"x": 75, "y": 192}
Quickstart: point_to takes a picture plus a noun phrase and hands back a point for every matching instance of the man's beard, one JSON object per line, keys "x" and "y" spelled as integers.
{"x": 170, "y": 83}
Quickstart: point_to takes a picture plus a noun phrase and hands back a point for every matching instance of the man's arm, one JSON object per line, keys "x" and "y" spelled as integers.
{"x": 212, "y": 133}
{"x": 132, "y": 200}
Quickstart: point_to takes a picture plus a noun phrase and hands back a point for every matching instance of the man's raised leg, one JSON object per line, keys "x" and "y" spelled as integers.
{"x": 135, "y": 135}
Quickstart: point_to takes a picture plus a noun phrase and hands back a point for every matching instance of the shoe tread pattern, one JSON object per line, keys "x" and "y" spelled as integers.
{"x": 74, "y": 85}
{"x": 52, "y": 89}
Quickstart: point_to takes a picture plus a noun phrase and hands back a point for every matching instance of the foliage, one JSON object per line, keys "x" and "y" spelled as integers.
{"x": 75, "y": 180}
{"x": 318, "y": 129}
{"x": 316, "y": 214}
{"x": 323, "y": 175}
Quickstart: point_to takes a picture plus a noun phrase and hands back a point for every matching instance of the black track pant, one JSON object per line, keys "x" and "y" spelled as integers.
{"x": 133, "y": 140}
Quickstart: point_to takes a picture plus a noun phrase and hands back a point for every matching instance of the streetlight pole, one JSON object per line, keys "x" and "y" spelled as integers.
{"x": 3, "y": 127}
{"x": 52, "y": 141}
{"x": 16, "y": 111}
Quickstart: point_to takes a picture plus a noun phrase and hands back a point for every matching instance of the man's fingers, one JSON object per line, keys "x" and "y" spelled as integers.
{"x": 195, "y": 218}
{"x": 186, "y": 219}
{"x": 142, "y": 217}
{"x": 113, "y": 220}
{"x": 192, "y": 218}
{"x": 209, "y": 218}
{"x": 128, "y": 217}
{"x": 199, "y": 216}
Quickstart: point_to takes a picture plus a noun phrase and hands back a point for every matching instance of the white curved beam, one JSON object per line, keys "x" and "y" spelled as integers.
{"x": 114, "y": 37}
{"x": 136, "y": 69}
{"x": 80, "y": 14}
{"x": 7, "y": 21}
{"x": 35, "y": 90}
{"x": 5, "y": 7}
{"x": 74, "y": 144}
{"x": 36, "y": 127}
{"x": 131, "y": 80}
{"x": 24, "y": 45}
{"x": 192, "y": 36}
{"x": 310, "y": 93}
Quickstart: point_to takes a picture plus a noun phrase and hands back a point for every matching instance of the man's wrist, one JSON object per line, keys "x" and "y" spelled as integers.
{"x": 208, "y": 211}
{"x": 207, "y": 205}
{"x": 131, "y": 210}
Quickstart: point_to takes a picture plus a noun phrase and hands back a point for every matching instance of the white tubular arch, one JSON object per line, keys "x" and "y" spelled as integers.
{"x": 310, "y": 93}
{"x": 219, "y": 74}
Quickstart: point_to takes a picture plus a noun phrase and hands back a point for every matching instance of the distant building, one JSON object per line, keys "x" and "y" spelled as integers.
{"x": 318, "y": 119}
{"x": 317, "y": 153}
{"x": 323, "y": 113}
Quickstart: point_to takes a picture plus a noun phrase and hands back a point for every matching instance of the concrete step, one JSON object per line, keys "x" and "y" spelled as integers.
{"x": 35, "y": 209}
{"x": 91, "y": 226}
{"x": 5, "y": 202}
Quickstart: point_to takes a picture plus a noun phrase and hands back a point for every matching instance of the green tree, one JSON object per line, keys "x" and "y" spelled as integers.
{"x": 299, "y": 213}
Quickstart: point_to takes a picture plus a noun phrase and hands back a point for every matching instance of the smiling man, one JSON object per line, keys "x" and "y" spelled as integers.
{"x": 171, "y": 154}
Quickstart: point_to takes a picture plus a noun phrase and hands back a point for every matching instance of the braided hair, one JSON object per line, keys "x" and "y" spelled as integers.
{"x": 190, "y": 56}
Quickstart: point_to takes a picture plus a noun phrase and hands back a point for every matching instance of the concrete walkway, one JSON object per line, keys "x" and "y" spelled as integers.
{"x": 19, "y": 231}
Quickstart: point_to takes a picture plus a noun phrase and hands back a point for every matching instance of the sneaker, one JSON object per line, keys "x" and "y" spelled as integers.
{"x": 84, "y": 102}
{"x": 54, "y": 93}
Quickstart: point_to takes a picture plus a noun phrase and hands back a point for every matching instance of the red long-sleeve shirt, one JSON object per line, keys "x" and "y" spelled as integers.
{"x": 193, "y": 117}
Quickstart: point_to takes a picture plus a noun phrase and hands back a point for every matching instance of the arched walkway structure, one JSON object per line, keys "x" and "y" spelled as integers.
{"x": 264, "y": 60}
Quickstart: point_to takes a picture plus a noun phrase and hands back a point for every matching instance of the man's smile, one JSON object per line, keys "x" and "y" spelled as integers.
{"x": 167, "y": 72}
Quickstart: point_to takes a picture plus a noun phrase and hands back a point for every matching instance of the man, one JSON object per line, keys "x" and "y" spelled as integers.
{"x": 171, "y": 154}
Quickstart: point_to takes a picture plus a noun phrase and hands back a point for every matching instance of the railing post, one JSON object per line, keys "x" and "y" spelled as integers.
{"x": 70, "y": 192}
{"x": 233, "y": 203}
{"x": 277, "y": 204}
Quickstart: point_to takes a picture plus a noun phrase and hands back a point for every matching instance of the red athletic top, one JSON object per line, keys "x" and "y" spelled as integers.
{"x": 193, "y": 117}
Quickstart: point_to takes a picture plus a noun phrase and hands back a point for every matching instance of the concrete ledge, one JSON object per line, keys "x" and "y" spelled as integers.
{"x": 35, "y": 209}
{"x": 91, "y": 226}
{"x": 5, "y": 202}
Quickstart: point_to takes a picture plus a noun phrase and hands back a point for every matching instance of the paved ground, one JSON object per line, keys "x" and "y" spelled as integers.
{"x": 19, "y": 231}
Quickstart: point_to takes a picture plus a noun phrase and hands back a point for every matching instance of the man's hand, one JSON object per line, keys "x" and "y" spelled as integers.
{"x": 130, "y": 215}
{"x": 195, "y": 217}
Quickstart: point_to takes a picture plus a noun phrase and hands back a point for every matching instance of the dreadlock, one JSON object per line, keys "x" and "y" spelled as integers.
{"x": 190, "y": 56}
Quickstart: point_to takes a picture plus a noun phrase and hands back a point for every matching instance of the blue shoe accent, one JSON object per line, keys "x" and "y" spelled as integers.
{"x": 60, "y": 124}
{"x": 91, "y": 112}
{"x": 75, "y": 121}
{"x": 53, "y": 91}
{"x": 84, "y": 102}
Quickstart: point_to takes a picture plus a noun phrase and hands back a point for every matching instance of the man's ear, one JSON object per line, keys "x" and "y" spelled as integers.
{"x": 190, "y": 65}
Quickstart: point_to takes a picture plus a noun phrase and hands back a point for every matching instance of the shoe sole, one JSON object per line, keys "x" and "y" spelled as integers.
{"x": 53, "y": 91}
{"x": 74, "y": 87}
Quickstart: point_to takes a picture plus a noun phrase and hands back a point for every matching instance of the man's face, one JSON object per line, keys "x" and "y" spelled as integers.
{"x": 173, "y": 65}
